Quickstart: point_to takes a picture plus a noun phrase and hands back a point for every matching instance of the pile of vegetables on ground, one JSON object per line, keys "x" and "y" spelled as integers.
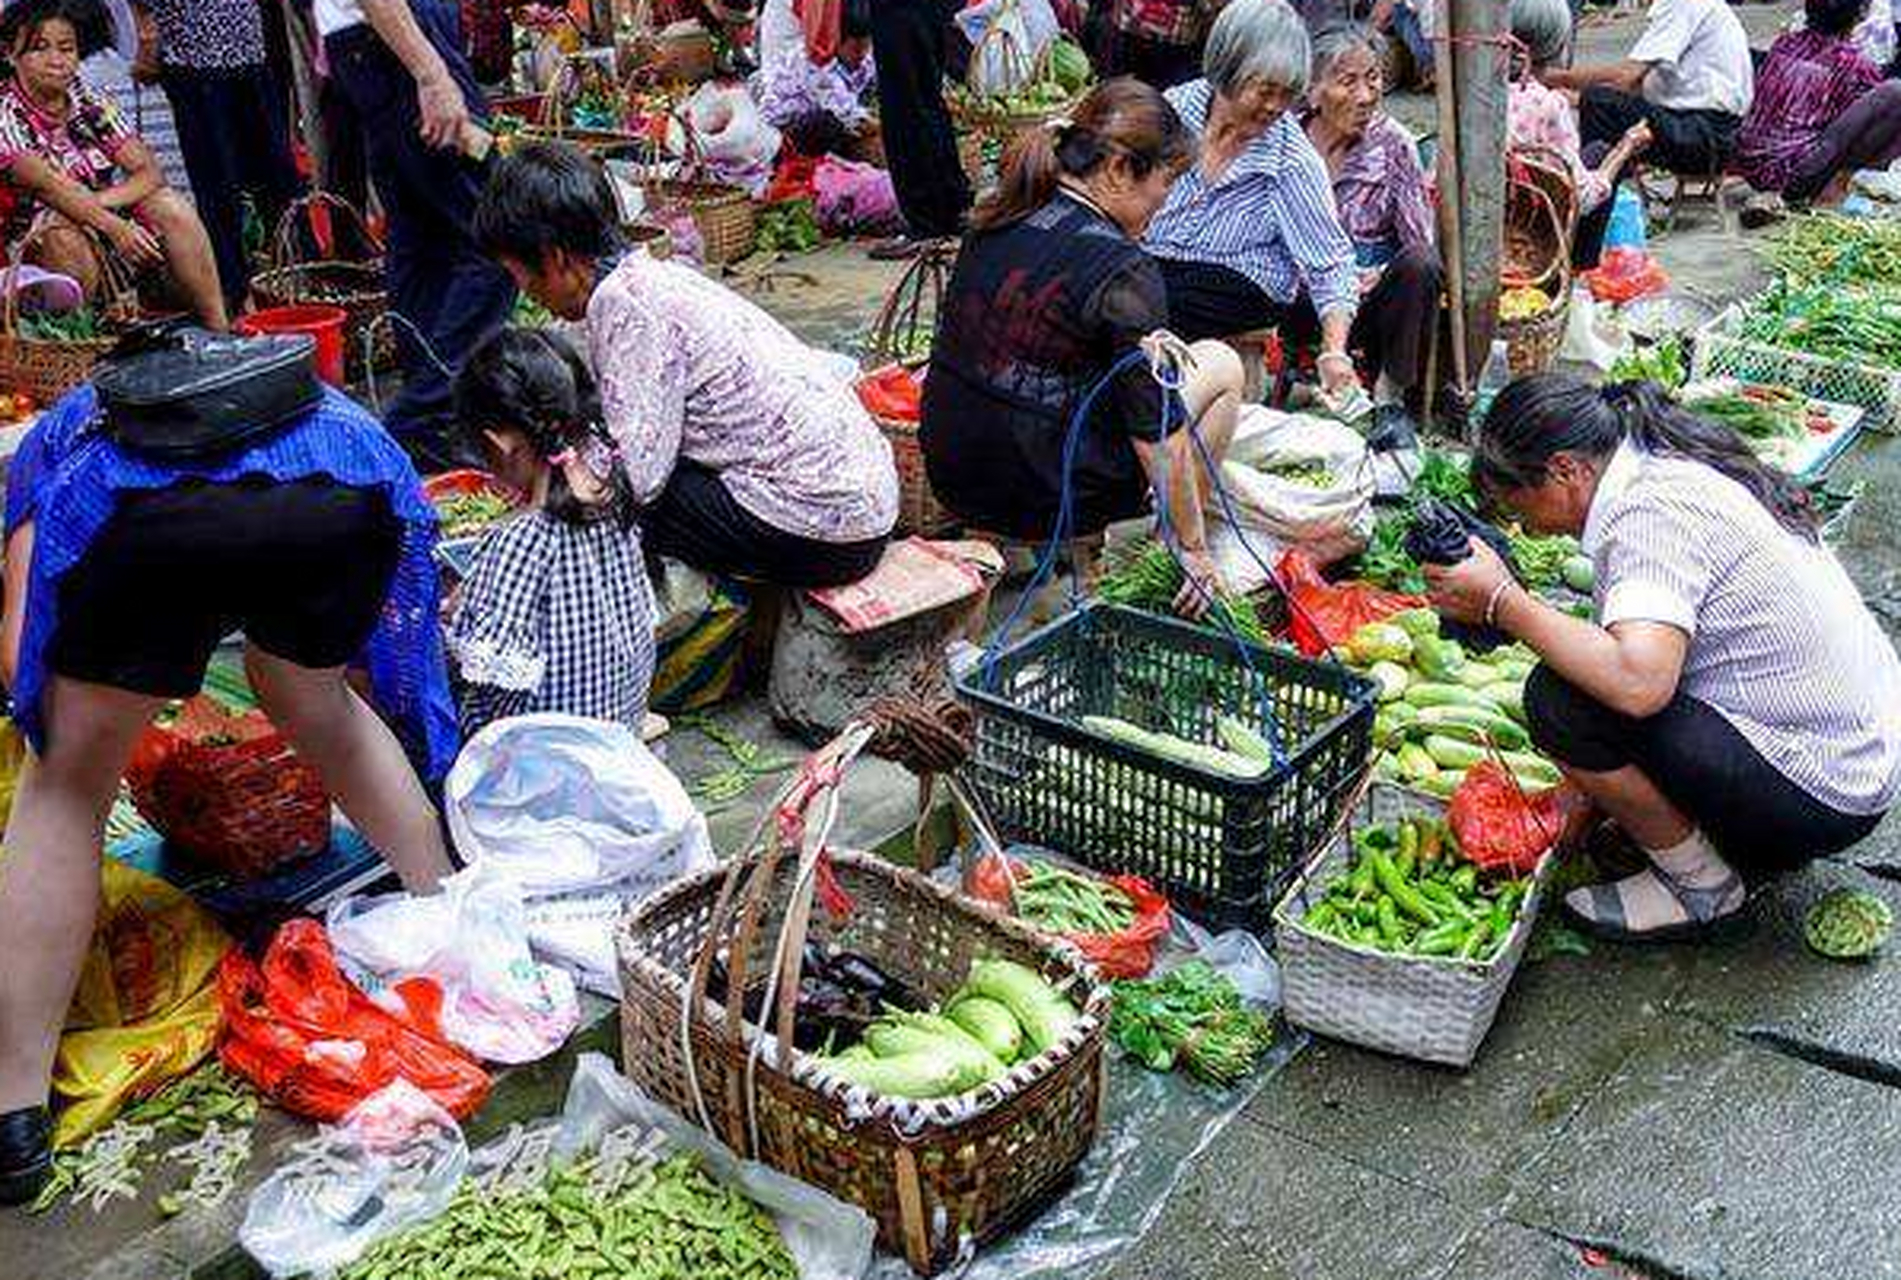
{"x": 1441, "y": 710}
{"x": 1842, "y": 325}
{"x": 1005, "y": 1013}
{"x": 1848, "y": 924}
{"x": 617, "y": 1212}
{"x": 205, "y": 1116}
{"x": 1822, "y": 248}
{"x": 787, "y": 226}
{"x": 1661, "y": 362}
{"x": 1410, "y": 891}
{"x": 1191, "y": 1017}
{"x": 1063, "y": 901}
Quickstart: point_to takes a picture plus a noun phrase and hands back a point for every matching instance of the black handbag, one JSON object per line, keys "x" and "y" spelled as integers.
{"x": 176, "y": 391}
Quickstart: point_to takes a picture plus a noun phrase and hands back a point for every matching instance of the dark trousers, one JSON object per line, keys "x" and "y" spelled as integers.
{"x": 1689, "y": 143}
{"x": 1866, "y": 136}
{"x": 1760, "y": 821}
{"x": 696, "y": 520}
{"x": 234, "y": 133}
{"x": 1393, "y": 327}
{"x": 909, "y": 39}
{"x": 448, "y": 295}
{"x": 1208, "y": 300}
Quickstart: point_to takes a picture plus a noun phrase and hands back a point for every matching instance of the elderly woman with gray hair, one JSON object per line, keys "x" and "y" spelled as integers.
{"x": 1538, "y": 115}
{"x": 1251, "y": 225}
{"x": 1379, "y": 190}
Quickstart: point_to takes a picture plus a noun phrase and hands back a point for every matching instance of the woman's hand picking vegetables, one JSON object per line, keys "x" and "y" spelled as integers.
{"x": 1201, "y": 583}
{"x": 1464, "y": 591}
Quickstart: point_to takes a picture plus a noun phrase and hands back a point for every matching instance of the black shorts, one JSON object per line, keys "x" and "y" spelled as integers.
{"x": 301, "y": 567}
{"x": 697, "y": 521}
{"x": 1759, "y": 820}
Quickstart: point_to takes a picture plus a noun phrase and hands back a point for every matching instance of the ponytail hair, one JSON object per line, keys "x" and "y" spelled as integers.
{"x": 1118, "y": 117}
{"x": 533, "y": 383}
{"x": 1550, "y": 413}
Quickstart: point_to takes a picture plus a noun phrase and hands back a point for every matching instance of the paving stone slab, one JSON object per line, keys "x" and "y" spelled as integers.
{"x": 1567, "y": 1023}
{"x": 1768, "y": 983}
{"x": 1505, "y": 1249}
{"x": 1708, "y": 1158}
{"x": 1263, "y": 1206}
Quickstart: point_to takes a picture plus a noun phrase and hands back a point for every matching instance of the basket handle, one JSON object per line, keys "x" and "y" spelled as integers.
{"x": 283, "y": 250}
{"x": 1015, "y": 61}
{"x": 897, "y": 324}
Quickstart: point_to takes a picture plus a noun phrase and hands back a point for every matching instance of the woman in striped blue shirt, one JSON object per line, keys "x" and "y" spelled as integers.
{"x": 1252, "y": 225}
{"x": 1734, "y": 706}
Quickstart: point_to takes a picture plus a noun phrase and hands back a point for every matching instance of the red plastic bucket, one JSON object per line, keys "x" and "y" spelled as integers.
{"x": 325, "y": 324}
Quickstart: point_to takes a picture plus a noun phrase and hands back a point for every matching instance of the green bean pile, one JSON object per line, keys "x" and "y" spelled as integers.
{"x": 1828, "y": 248}
{"x": 672, "y": 1223}
{"x": 1150, "y": 577}
{"x": 1857, "y": 327}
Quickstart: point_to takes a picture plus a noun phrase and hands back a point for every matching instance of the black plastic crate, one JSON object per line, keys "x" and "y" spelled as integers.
{"x": 1221, "y": 848}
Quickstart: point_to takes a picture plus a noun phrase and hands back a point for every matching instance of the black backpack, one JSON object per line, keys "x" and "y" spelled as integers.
{"x": 175, "y": 391}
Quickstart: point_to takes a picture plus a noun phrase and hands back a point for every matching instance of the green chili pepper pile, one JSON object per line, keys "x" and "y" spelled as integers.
{"x": 1829, "y": 248}
{"x": 1191, "y": 1016}
{"x": 1150, "y": 577}
{"x": 748, "y": 764}
{"x": 667, "y": 1222}
{"x": 1061, "y": 901}
{"x": 1411, "y": 892}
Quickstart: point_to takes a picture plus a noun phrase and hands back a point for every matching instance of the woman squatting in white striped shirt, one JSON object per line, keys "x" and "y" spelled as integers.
{"x": 1733, "y": 707}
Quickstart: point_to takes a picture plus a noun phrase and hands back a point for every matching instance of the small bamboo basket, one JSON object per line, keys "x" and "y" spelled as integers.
{"x": 932, "y": 1174}
{"x": 1541, "y": 223}
{"x": 47, "y": 368}
{"x": 985, "y": 116}
{"x": 725, "y": 216}
{"x": 355, "y": 285}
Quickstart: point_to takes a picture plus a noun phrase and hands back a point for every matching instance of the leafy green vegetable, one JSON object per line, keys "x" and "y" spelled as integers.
{"x": 1855, "y": 326}
{"x": 1193, "y": 1017}
{"x": 1829, "y": 248}
{"x": 80, "y": 325}
{"x": 1150, "y": 577}
{"x": 1447, "y": 477}
{"x": 1541, "y": 561}
{"x": 1385, "y": 563}
{"x": 789, "y": 226}
{"x": 1661, "y": 363}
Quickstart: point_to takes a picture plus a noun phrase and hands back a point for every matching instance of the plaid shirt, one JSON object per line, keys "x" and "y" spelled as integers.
{"x": 555, "y": 617}
{"x": 1380, "y": 192}
{"x": 1807, "y": 81}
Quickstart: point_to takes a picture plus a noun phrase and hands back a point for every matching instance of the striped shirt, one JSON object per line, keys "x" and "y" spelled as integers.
{"x": 1781, "y": 645}
{"x": 1270, "y": 217}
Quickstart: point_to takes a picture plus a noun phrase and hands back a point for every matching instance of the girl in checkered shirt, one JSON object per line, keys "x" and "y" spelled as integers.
{"x": 557, "y": 612}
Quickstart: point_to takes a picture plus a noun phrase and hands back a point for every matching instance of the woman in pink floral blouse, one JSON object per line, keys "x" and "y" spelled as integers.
{"x": 748, "y": 451}
{"x": 68, "y": 155}
{"x": 1540, "y": 116}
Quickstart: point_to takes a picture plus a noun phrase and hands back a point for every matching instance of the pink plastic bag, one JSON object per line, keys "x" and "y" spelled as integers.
{"x": 853, "y": 197}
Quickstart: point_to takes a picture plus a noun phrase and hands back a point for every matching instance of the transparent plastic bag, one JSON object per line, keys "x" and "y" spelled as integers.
{"x": 830, "y": 1240}
{"x": 394, "y": 1161}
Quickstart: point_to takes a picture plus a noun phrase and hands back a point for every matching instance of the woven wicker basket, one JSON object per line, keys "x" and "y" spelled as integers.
{"x": 228, "y": 790}
{"x": 47, "y": 369}
{"x": 931, "y": 1174}
{"x": 354, "y": 285}
{"x": 919, "y": 511}
{"x": 1436, "y": 1009}
{"x": 982, "y": 115}
{"x": 1541, "y": 223}
{"x": 726, "y": 217}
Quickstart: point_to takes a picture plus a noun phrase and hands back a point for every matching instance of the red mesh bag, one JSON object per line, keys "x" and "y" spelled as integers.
{"x": 227, "y": 789}
{"x": 1501, "y": 827}
{"x": 1129, "y": 953}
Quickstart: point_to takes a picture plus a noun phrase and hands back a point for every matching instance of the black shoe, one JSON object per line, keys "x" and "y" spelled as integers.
{"x": 26, "y": 1154}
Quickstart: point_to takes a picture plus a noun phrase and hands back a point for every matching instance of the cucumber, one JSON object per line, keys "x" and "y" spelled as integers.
{"x": 1476, "y": 675}
{"x": 1427, "y": 693}
{"x": 1507, "y": 697}
{"x": 1528, "y": 767}
{"x": 1450, "y": 753}
{"x": 1505, "y": 733}
{"x": 1579, "y": 574}
{"x": 1180, "y": 751}
{"x": 1243, "y": 740}
{"x": 1444, "y": 783}
{"x": 1416, "y": 763}
{"x": 1392, "y": 680}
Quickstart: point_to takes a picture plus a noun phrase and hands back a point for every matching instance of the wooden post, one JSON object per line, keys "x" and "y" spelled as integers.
{"x": 1481, "y": 65}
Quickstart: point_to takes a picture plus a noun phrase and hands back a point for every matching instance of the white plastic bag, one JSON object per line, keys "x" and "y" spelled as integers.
{"x": 562, "y": 804}
{"x": 1007, "y": 64}
{"x": 1264, "y": 514}
{"x": 736, "y": 142}
{"x": 472, "y": 938}
{"x": 830, "y": 1240}
{"x": 394, "y": 1161}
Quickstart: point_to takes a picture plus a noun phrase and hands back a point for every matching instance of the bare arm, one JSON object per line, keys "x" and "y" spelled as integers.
{"x": 142, "y": 178}
{"x": 83, "y": 207}
{"x": 1625, "y": 77}
{"x": 445, "y": 115}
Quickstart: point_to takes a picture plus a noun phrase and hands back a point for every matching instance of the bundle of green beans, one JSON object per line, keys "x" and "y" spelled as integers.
{"x": 1149, "y": 577}
{"x": 1828, "y": 248}
{"x": 1050, "y": 897}
{"x": 672, "y": 1222}
{"x": 1855, "y": 326}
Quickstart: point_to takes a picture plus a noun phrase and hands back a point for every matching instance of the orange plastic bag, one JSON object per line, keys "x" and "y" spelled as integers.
{"x": 1127, "y": 954}
{"x": 314, "y": 1043}
{"x": 1326, "y": 614}
{"x": 1626, "y": 274}
{"x": 893, "y": 392}
{"x": 1501, "y": 827}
